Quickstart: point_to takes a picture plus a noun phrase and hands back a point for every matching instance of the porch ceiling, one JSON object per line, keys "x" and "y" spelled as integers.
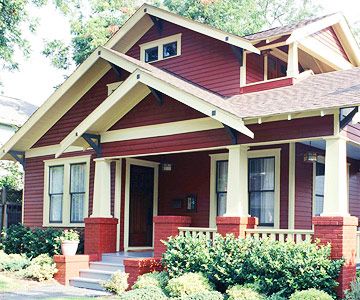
{"x": 352, "y": 150}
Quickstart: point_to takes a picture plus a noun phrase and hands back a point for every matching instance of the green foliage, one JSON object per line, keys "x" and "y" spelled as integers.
{"x": 41, "y": 268}
{"x": 117, "y": 284}
{"x": 150, "y": 293}
{"x": 212, "y": 295}
{"x": 310, "y": 294}
{"x": 188, "y": 284}
{"x": 69, "y": 235}
{"x": 154, "y": 279}
{"x": 273, "y": 266}
{"x": 277, "y": 296}
{"x": 186, "y": 254}
{"x": 13, "y": 262}
{"x": 354, "y": 292}
{"x": 239, "y": 292}
{"x": 12, "y": 173}
{"x": 31, "y": 242}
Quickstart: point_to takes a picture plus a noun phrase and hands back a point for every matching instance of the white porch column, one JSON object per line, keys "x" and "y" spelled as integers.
{"x": 293, "y": 60}
{"x": 336, "y": 191}
{"x": 102, "y": 190}
{"x": 237, "y": 186}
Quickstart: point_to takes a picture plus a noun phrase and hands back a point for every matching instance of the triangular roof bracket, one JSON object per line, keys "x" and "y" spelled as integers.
{"x": 232, "y": 133}
{"x": 19, "y": 156}
{"x": 117, "y": 70}
{"x": 348, "y": 117}
{"x": 158, "y": 23}
{"x": 158, "y": 95}
{"x": 94, "y": 141}
{"x": 239, "y": 53}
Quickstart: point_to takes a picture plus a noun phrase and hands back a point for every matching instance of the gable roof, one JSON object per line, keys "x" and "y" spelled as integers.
{"x": 15, "y": 111}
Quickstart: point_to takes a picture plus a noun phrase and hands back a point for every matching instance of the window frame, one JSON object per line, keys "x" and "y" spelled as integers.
{"x": 66, "y": 203}
{"x": 160, "y": 44}
{"x": 216, "y": 184}
{"x": 51, "y": 194}
{"x": 76, "y": 193}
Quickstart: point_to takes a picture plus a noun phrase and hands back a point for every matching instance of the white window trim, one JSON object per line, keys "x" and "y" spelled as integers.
{"x": 159, "y": 43}
{"x": 275, "y": 152}
{"x": 113, "y": 86}
{"x": 321, "y": 159}
{"x": 66, "y": 196}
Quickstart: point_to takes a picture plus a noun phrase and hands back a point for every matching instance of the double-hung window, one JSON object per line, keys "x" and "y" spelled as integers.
{"x": 66, "y": 191}
{"x": 221, "y": 186}
{"x": 319, "y": 188}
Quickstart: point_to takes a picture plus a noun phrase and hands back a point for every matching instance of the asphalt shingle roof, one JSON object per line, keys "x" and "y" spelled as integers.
{"x": 15, "y": 111}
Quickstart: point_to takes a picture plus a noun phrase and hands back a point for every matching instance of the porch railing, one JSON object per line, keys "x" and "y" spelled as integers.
{"x": 358, "y": 247}
{"x": 198, "y": 232}
{"x": 298, "y": 236}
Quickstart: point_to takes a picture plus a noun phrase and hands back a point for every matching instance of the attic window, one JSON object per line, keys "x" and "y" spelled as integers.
{"x": 161, "y": 49}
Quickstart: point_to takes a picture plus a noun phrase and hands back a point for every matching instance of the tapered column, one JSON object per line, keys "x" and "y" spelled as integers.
{"x": 293, "y": 60}
{"x": 102, "y": 190}
{"x": 237, "y": 187}
{"x": 336, "y": 191}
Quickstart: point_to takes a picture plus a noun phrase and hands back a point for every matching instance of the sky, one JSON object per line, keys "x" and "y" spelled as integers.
{"x": 36, "y": 79}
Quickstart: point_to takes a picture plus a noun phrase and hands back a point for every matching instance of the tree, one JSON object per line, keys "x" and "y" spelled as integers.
{"x": 14, "y": 18}
{"x": 103, "y": 18}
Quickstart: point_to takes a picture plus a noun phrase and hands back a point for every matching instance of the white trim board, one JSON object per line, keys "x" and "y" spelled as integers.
{"x": 145, "y": 163}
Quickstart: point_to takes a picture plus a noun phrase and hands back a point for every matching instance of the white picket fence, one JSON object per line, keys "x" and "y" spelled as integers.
{"x": 283, "y": 235}
{"x": 198, "y": 232}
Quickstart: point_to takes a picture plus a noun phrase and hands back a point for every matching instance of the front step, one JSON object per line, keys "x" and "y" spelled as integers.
{"x": 96, "y": 274}
{"x": 86, "y": 283}
{"x": 106, "y": 266}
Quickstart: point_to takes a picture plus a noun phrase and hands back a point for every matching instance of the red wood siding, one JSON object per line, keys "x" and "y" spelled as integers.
{"x": 149, "y": 112}
{"x": 205, "y": 61}
{"x": 267, "y": 85}
{"x": 352, "y": 131}
{"x": 303, "y": 189}
{"x": 254, "y": 68}
{"x": 96, "y": 95}
{"x": 329, "y": 38}
{"x": 34, "y": 188}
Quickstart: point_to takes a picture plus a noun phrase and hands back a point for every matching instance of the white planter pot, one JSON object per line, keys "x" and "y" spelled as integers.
{"x": 69, "y": 247}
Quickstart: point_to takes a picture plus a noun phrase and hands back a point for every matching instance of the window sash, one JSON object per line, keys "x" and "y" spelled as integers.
{"x": 149, "y": 51}
{"x": 56, "y": 193}
{"x": 319, "y": 188}
{"x": 55, "y": 212}
{"x": 221, "y": 186}
{"x": 77, "y": 189}
{"x": 167, "y": 54}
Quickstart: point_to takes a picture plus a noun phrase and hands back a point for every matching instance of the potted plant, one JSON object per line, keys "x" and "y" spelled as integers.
{"x": 69, "y": 242}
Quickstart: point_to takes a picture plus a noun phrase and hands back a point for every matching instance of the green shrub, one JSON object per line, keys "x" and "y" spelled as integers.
{"x": 41, "y": 268}
{"x": 187, "y": 284}
{"x": 186, "y": 254}
{"x": 13, "y": 262}
{"x": 310, "y": 294}
{"x": 155, "y": 279}
{"x": 150, "y": 293}
{"x": 213, "y": 295}
{"x": 117, "y": 284}
{"x": 274, "y": 266}
{"x": 354, "y": 292}
{"x": 277, "y": 296}
{"x": 239, "y": 292}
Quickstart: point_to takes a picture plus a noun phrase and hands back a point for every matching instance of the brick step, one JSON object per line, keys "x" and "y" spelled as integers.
{"x": 86, "y": 283}
{"x": 96, "y": 274}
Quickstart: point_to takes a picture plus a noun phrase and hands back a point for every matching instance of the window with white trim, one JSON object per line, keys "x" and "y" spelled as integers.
{"x": 161, "y": 49}
{"x": 66, "y": 193}
{"x": 221, "y": 186}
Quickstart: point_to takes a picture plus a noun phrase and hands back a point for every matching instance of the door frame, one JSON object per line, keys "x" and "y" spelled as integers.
{"x": 143, "y": 163}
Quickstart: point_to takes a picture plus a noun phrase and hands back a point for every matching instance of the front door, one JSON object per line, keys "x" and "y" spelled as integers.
{"x": 141, "y": 206}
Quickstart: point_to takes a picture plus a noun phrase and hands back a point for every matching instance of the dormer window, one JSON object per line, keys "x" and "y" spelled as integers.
{"x": 161, "y": 49}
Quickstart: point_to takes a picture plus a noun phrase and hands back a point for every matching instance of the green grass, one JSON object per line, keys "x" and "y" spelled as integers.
{"x": 7, "y": 284}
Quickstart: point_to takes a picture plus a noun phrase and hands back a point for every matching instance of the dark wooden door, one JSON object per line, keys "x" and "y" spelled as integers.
{"x": 141, "y": 206}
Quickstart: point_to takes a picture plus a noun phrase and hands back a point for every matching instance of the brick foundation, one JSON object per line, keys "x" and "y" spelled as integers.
{"x": 164, "y": 227}
{"x": 235, "y": 225}
{"x": 100, "y": 236}
{"x": 138, "y": 266}
{"x": 69, "y": 266}
{"x": 341, "y": 233}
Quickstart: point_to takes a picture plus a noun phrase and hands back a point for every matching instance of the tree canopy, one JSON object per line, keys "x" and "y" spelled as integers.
{"x": 93, "y": 22}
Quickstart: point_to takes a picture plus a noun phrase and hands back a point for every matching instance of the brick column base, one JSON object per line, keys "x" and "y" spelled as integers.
{"x": 100, "y": 236}
{"x": 235, "y": 225}
{"x": 69, "y": 266}
{"x": 138, "y": 266}
{"x": 341, "y": 233}
{"x": 164, "y": 227}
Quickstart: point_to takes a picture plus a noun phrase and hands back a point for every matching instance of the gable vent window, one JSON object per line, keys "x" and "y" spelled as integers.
{"x": 161, "y": 49}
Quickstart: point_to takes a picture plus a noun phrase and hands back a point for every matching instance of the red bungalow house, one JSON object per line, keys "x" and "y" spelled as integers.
{"x": 174, "y": 124}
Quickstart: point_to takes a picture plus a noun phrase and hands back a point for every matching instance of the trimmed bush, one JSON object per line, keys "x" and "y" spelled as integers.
{"x": 13, "y": 262}
{"x": 150, "y": 293}
{"x": 41, "y": 268}
{"x": 187, "y": 254}
{"x": 274, "y": 266}
{"x": 310, "y": 294}
{"x": 354, "y": 292}
{"x": 239, "y": 292}
{"x": 204, "y": 296}
{"x": 117, "y": 284}
{"x": 276, "y": 297}
{"x": 188, "y": 284}
{"x": 154, "y": 279}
